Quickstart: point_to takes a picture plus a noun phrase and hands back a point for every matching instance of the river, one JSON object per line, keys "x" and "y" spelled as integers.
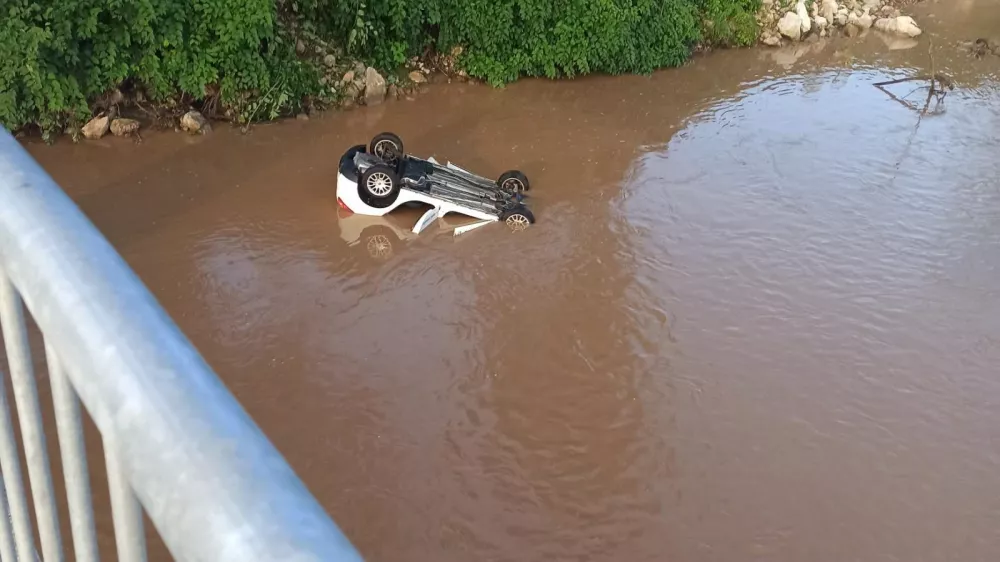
{"x": 758, "y": 317}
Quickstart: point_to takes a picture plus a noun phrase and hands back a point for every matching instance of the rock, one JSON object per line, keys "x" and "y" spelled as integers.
{"x": 330, "y": 61}
{"x": 96, "y": 127}
{"x": 302, "y": 117}
{"x": 352, "y": 91}
{"x": 872, "y": 4}
{"x": 393, "y": 91}
{"x": 790, "y": 26}
{"x": 417, "y": 77}
{"x": 851, "y": 5}
{"x": 771, "y": 39}
{"x": 122, "y": 127}
{"x": 841, "y": 19}
{"x": 359, "y": 68}
{"x": 324, "y": 80}
{"x": 375, "y": 87}
{"x": 852, "y": 30}
{"x": 829, "y": 9}
{"x": 800, "y": 10}
{"x": 815, "y": 9}
{"x": 348, "y": 77}
{"x": 195, "y": 122}
{"x": 887, "y": 11}
{"x": 820, "y": 22}
{"x": 902, "y": 25}
{"x": 865, "y": 21}
{"x": 300, "y": 47}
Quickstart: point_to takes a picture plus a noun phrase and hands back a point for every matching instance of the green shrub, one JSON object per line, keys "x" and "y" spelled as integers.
{"x": 730, "y": 23}
{"x": 56, "y": 55}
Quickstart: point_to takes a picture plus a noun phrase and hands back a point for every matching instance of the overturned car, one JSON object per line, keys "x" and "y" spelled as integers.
{"x": 378, "y": 178}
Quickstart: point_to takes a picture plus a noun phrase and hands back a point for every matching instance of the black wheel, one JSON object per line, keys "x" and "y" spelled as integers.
{"x": 518, "y": 218}
{"x": 388, "y": 147}
{"x": 379, "y": 186}
{"x": 513, "y": 181}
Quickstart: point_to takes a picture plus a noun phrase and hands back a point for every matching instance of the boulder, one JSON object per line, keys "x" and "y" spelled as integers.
{"x": 841, "y": 18}
{"x": 790, "y": 26}
{"x": 330, "y": 61}
{"x": 800, "y": 10}
{"x": 872, "y": 4}
{"x": 300, "y": 47}
{"x": 902, "y": 25}
{"x": 348, "y": 77}
{"x": 417, "y": 77}
{"x": 865, "y": 21}
{"x": 122, "y": 127}
{"x": 375, "y": 87}
{"x": 194, "y": 122}
{"x": 771, "y": 39}
{"x": 821, "y": 23}
{"x": 96, "y": 127}
{"x": 829, "y": 9}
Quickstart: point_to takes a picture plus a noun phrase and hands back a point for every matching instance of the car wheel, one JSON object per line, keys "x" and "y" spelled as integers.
{"x": 518, "y": 218}
{"x": 513, "y": 181}
{"x": 388, "y": 147}
{"x": 379, "y": 186}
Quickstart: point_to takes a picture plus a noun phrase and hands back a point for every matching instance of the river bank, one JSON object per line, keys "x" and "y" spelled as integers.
{"x": 756, "y": 319}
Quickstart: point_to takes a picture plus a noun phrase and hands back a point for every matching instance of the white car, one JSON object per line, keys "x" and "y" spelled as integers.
{"x": 379, "y": 178}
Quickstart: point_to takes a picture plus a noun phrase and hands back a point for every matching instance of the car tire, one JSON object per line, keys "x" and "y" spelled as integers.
{"x": 388, "y": 147}
{"x": 379, "y": 186}
{"x": 518, "y": 218}
{"x": 513, "y": 181}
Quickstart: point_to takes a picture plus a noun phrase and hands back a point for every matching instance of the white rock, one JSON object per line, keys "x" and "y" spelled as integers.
{"x": 865, "y": 21}
{"x": 194, "y": 122}
{"x": 829, "y": 9}
{"x": 841, "y": 19}
{"x": 122, "y": 127}
{"x": 790, "y": 26}
{"x": 375, "y": 87}
{"x": 96, "y": 127}
{"x": 902, "y": 25}
{"x": 821, "y": 23}
{"x": 800, "y": 10}
{"x": 772, "y": 40}
{"x": 872, "y": 4}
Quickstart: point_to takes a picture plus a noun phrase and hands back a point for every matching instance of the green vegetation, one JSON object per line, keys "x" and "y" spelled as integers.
{"x": 57, "y": 56}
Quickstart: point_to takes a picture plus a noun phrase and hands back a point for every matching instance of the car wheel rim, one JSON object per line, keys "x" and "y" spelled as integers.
{"x": 513, "y": 185}
{"x": 518, "y": 221}
{"x": 386, "y": 150}
{"x": 379, "y": 246}
{"x": 379, "y": 184}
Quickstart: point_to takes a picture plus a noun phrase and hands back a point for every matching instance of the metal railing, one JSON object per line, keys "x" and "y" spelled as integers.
{"x": 176, "y": 442}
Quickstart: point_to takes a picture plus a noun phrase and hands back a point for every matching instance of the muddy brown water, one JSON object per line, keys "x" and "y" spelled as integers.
{"x": 758, "y": 317}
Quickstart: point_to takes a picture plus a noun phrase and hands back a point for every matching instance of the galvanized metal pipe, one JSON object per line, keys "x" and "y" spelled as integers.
{"x": 10, "y": 464}
{"x": 29, "y": 413}
{"x": 130, "y": 536}
{"x": 7, "y": 548}
{"x": 69, "y": 427}
{"x": 211, "y": 482}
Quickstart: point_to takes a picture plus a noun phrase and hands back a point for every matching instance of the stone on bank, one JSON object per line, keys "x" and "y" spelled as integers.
{"x": 782, "y": 18}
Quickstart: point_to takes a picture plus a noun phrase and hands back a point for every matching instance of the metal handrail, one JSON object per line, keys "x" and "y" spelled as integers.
{"x": 213, "y": 485}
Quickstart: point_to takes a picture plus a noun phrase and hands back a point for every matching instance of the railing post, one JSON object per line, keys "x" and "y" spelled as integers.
{"x": 29, "y": 412}
{"x": 74, "y": 460}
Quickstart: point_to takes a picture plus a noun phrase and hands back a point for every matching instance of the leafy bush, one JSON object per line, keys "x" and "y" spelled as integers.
{"x": 730, "y": 23}
{"x": 56, "y": 55}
